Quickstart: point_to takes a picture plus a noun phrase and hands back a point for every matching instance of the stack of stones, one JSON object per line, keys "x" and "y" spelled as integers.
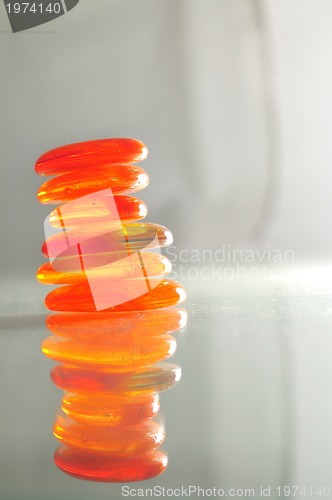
{"x": 114, "y": 313}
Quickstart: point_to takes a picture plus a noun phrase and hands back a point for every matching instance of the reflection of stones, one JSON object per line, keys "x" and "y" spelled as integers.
{"x": 155, "y": 378}
{"x": 93, "y": 325}
{"x": 112, "y": 370}
{"x": 111, "y": 409}
{"x": 121, "y": 440}
{"x": 122, "y": 354}
{"x": 106, "y": 422}
{"x": 123, "y": 343}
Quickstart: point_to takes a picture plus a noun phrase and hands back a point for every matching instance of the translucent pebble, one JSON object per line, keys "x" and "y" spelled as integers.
{"x": 120, "y": 179}
{"x": 100, "y": 325}
{"x": 98, "y": 467}
{"x": 119, "y": 441}
{"x": 114, "y": 409}
{"x": 90, "y": 154}
{"x": 93, "y": 381}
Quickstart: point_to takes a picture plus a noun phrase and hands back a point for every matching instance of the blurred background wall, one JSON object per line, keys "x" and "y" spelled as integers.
{"x": 232, "y": 97}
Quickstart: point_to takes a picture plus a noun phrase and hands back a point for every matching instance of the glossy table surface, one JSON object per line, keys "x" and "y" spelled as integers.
{"x": 253, "y": 407}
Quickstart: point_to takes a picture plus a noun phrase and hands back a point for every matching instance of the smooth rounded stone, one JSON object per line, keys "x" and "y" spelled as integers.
{"x": 78, "y": 298}
{"x": 118, "y": 441}
{"x": 154, "y": 264}
{"x": 90, "y": 154}
{"x": 98, "y": 325}
{"x": 98, "y": 248}
{"x": 110, "y": 410}
{"x": 96, "y": 467}
{"x": 156, "y": 378}
{"x": 97, "y": 210}
{"x": 121, "y": 354}
{"x": 68, "y": 187}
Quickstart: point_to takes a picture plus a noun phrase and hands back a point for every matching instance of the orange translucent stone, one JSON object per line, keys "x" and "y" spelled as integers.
{"x": 99, "y": 325}
{"x": 90, "y": 154}
{"x": 124, "y": 440}
{"x": 96, "y": 210}
{"x": 156, "y": 378}
{"x": 98, "y": 467}
{"x": 154, "y": 265}
{"x": 120, "y": 354}
{"x": 68, "y": 187}
{"x": 78, "y": 298}
{"x": 75, "y": 250}
{"x": 102, "y": 248}
{"x": 110, "y": 410}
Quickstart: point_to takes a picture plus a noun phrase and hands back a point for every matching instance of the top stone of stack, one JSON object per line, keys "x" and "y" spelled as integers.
{"x": 90, "y": 154}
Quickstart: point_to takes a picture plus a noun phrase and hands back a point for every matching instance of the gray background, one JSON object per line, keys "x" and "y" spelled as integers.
{"x": 232, "y": 98}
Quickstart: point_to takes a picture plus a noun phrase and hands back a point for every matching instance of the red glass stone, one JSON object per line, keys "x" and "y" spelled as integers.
{"x": 94, "y": 467}
{"x": 68, "y": 187}
{"x": 89, "y": 154}
{"x": 78, "y": 298}
{"x": 96, "y": 210}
